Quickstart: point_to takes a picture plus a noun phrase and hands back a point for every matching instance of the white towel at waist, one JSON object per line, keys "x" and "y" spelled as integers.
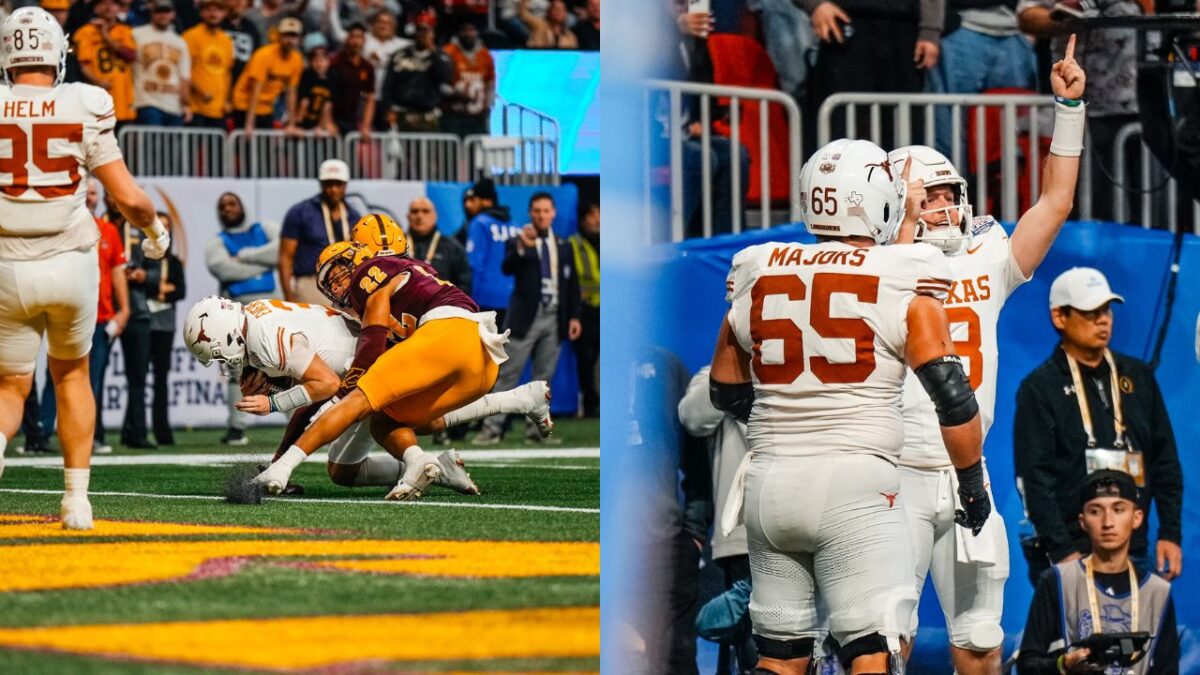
{"x": 493, "y": 340}
{"x": 976, "y": 549}
{"x": 732, "y": 516}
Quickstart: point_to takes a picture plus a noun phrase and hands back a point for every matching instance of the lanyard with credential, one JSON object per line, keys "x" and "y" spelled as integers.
{"x": 329, "y": 222}
{"x": 437, "y": 236}
{"x": 1081, "y": 396}
{"x": 1094, "y": 605}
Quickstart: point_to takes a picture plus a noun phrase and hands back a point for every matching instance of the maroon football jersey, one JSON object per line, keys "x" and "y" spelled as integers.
{"x": 420, "y": 291}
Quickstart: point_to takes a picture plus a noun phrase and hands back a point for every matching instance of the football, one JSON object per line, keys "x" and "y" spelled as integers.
{"x": 255, "y": 381}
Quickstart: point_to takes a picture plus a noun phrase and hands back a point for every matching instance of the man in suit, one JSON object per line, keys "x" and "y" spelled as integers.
{"x": 544, "y": 307}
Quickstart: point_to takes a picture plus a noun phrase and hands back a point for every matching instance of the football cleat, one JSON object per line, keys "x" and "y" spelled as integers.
{"x": 274, "y": 479}
{"x": 76, "y": 513}
{"x": 294, "y": 489}
{"x": 421, "y": 470}
{"x": 454, "y": 474}
{"x": 539, "y": 410}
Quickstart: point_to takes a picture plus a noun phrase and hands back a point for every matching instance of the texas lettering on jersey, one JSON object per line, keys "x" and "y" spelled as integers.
{"x": 275, "y": 328}
{"x": 419, "y": 291}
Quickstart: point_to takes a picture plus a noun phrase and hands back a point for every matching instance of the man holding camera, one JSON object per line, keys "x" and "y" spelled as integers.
{"x": 1104, "y": 600}
{"x": 1089, "y": 408}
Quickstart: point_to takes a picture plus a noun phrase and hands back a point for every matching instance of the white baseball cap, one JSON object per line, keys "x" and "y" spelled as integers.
{"x": 1082, "y": 288}
{"x": 334, "y": 169}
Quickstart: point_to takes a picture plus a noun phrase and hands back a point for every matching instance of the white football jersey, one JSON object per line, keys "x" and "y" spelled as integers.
{"x": 275, "y": 328}
{"x": 50, "y": 139}
{"x": 984, "y": 277}
{"x": 826, "y": 326}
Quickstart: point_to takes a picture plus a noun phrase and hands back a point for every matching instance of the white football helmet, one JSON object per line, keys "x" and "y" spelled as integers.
{"x": 212, "y": 331}
{"x": 953, "y": 233}
{"x": 849, "y": 188}
{"x": 31, "y": 37}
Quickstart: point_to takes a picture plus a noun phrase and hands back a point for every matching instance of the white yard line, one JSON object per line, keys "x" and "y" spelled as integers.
{"x": 209, "y": 459}
{"x": 303, "y": 500}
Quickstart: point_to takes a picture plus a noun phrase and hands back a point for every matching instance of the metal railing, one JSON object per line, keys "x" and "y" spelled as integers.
{"x": 511, "y": 160}
{"x": 519, "y": 120}
{"x": 1151, "y": 182}
{"x": 173, "y": 151}
{"x": 736, "y": 96}
{"x": 405, "y": 156}
{"x": 273, "y": 153}
{"x": 211, "y": 153}
{"x": 1023, "y": 118}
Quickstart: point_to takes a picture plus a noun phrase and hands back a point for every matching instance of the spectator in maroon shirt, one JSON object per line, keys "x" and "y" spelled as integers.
{"x": 352, "y": 79}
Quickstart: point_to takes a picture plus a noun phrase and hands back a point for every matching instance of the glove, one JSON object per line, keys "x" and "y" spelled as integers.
{"x": 321, "y": 411}
{"x": 157, "y": 241}
{"x": 977, "y": 506}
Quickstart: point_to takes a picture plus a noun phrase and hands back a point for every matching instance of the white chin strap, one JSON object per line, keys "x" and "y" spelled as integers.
{"x": 950, "y": 239}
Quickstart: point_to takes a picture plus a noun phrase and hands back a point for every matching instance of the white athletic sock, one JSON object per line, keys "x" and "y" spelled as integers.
{"x": 76, "y": 482}
{"x": 379, "y": 470}
{"x": 291, "y": 459}
{"x": 510, "y": 401}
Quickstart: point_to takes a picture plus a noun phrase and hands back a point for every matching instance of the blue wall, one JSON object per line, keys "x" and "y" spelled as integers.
{"x": 689, "y": 280}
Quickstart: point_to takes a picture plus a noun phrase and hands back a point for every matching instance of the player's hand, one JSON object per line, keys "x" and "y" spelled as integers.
{"x": 255, "y": 405}
{"x": 914, "y": 201}
{"x": 322, "y": 410}
{"x": 1067, "y": 79}
{"x": 696, "y": 24}
{"x": 157, "y": 241}
{"x": 925, "y": 56}
{"x": 574, "y": 329}
{"x": 825, "y": 22}
{"x": 1169, "y": 552}
{"x": 972, "y": 492}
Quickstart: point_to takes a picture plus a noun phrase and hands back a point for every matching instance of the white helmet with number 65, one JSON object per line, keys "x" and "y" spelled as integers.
{"x": 848, "y": 188}
{"x": 31, "y": 37}
{"x": 212, "y": 331}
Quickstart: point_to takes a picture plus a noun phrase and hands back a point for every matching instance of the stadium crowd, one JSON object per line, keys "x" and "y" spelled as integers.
{"x": 310, "y": 66}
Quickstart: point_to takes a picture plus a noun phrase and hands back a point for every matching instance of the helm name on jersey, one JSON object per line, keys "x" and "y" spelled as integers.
{"x": 28, "y": 108}
{"x": 788, "y": 255}
{"x": 964, "y": 291}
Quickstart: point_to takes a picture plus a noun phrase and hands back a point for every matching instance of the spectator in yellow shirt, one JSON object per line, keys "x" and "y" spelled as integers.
{"x": 105, "y": 49}
{"x": 273, "y": 71}
{"x": 212, "y": 66}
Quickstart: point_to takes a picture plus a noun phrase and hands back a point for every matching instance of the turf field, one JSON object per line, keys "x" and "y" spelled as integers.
{"x": 175, "y": 580}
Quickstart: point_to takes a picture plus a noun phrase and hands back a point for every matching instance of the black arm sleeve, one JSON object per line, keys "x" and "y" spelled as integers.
{"x": 1165, "y": 473}
{"x": 1165, "y": 658}
{"x": 1042, "y": 627}
{"x": 1034, "y": 459}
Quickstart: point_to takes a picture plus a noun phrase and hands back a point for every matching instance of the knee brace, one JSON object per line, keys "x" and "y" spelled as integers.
{"x": 978, "y": 637}
{"x": 873, "y": 644}
{"x": 946, "y": 383}
{"x": 784, "y": 649}
{"x": 735, "y": 400}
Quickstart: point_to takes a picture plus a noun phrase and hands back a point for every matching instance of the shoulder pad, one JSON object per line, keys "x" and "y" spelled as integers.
{"x": 94, "y": 99}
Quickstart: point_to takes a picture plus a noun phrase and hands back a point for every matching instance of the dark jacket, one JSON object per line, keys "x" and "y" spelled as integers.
{"x": 1049, "y": 443}
{"x": 524, "y": 266}
{"x": 132, "y": 237}
{"x": 164, "y": 320}
{"x": 449, "y": 259}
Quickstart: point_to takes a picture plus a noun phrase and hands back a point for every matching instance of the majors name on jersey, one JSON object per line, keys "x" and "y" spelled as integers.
{"x": 826, "y": 326}
{"x": 983, "y": 279}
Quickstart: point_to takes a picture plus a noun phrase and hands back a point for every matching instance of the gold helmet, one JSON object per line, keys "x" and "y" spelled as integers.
{"x": 381, "y": 234}
{"x": 335, "y": 265}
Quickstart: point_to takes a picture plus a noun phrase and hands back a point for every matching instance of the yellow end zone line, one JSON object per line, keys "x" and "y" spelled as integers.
{"x": 304, "y": 500}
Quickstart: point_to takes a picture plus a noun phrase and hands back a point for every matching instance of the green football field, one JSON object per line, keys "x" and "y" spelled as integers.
{"x": 174, "y": 579}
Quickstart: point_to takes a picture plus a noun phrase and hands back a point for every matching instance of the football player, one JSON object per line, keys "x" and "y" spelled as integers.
{"x": 447, "y": 355}
{"x": 986, "y": 266}
{"x": 56, "y": 135}
{"x": 293, "y": 357}
{"x": 815, "y": 331}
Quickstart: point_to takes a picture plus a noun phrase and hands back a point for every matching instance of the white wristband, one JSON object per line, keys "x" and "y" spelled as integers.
{"x": 1069, "y": 124}
{"x": 290, "y": 399}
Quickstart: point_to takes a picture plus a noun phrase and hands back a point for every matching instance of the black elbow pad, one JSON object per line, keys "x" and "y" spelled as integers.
{"x": 946, "y": 383}
{"x": 734, "y": 400}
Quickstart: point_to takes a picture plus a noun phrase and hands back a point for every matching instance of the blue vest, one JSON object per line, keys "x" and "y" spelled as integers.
{"x": 236, "y": 241}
